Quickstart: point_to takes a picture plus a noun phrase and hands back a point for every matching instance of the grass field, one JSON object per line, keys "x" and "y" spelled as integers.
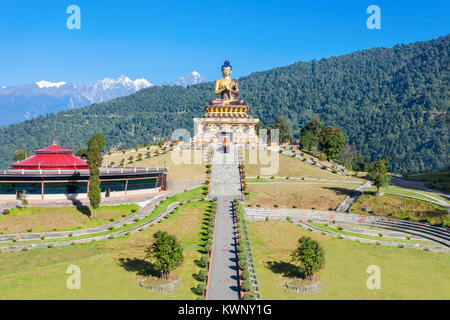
{"x": 190, "y": 166}
{"x": 439, "y": 180}
{"x": 40, "y": 219}
{"x": 109, "y": 269}
{"x": 302, "y": 195}
{"x": 286, "y": 167}
{"x": 405, "y": 273}
{"x": 422, "y": 194}
{"x": 366, "y": 236}
{"x": 400, "y": 207}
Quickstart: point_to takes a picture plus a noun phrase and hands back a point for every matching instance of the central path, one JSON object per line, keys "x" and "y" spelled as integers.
{"x": 223, "y": 283}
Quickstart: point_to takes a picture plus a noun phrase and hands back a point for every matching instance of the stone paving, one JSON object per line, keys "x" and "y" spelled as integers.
{"x": 223, "y": 279}
{"x": 223, "y": 282}
{"x": 225, "y": 178}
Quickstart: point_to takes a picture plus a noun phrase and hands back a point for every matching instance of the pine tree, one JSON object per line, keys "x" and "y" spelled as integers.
{"x": 94, "y": 161}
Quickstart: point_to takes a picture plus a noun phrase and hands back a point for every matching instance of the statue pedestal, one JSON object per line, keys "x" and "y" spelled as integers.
{"x": 232, "y": 127}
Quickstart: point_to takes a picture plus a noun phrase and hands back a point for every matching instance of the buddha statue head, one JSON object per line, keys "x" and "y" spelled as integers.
{"x": 227, "y": 69}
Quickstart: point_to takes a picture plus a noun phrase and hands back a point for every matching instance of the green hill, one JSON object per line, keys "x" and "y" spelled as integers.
{"x": 389, "y": 102}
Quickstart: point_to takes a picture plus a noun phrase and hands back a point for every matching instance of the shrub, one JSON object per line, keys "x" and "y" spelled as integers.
{"x": 380, "y": 234}
{"x": 25, "y": 249}
{"x": 112, "y": 219}
{"x": 267, "y": 218}
{"x": 242, "y": 256}
{"x": 30, "y": 230}
{"x": 243, "y": 265}
{"x": 400, "y": 245}
{"x": 14, "y": 239}
{"x": 201, "y": 289}
{"x": 133, "y": 210}
{"x": 208, "y": 248}
{"x": 204, "y": 261}
{"x": 339, "y": 227}
{"x": 294, "y": 206}
{"x": 408, "y": 237}
{"x": 245, "y": 275}
{"x": 50, "y": 245}
{"x": 111, "y": 227}
{"x": 275, "y": 205}
{"x": 6, "y": 211}
{"x": 247, "y": 286}
{"x": 258, "y": 205}
{"x": 136, "y": 219}
{"x": 42, "y": 236}
{"x": 248, "y": 296}
{"x": 202, "y": 275}
{"x": 70, "y": 234}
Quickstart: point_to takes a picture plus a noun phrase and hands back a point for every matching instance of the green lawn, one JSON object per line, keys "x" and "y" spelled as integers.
{"x": 402, "y": 208}
{"x": 366, "y": 236}
{"x": 41, "y": 219}
{"x": 439, "y": 180}
{"x": 187, "y": 195}
{"x": 109, "y": 269}
{"x": 405, "y": 273}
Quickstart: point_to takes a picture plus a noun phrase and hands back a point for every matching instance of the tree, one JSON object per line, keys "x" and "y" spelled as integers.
{"x": 166, "y": 253}
{"x": 310, "y": 255}
{"x": 20, "y": 154}
{"x": 348, "y": 155}
{"x": 309, "y": 135}
{"x": 283, "y": 128}
{"x": 331, "y": 142}
{"x": 94, "y": 161}
{"x": 378, "y": 175}
{"x": 82, "y": 153}
{"x": 308, "y": 141}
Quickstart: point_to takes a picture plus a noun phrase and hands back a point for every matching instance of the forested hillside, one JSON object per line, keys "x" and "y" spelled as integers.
{"x": 388, "y": 101}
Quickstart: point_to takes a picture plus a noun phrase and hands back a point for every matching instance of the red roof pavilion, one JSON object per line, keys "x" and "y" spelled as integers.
{"x": 51, "y": 158}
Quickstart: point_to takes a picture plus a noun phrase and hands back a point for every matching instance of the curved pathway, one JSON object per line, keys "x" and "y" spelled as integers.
{"x": 145, "y": 211}
{"x": 170, "y": 208}
{"x": 439, "y": 235}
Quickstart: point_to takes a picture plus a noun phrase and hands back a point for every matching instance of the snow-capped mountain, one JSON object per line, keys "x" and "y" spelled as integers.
{"x": 192, "y": 78}
{"x": 19, "y": 103}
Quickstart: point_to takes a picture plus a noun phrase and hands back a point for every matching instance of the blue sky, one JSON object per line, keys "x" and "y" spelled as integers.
{"x": 162, "y": 40}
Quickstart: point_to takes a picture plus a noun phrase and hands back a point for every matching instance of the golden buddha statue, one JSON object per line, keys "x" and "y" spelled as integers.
{"x": 227, "y": 88}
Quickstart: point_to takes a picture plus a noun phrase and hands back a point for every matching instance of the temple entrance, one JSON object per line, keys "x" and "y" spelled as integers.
{"x": 225, "y": 139}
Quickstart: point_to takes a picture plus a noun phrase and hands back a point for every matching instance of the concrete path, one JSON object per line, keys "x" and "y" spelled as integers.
{"x": 223, "y": 283}
{"x": 225, "y": 178}
{"x": 345, "y": 205}
{"x": 224, "y": 278}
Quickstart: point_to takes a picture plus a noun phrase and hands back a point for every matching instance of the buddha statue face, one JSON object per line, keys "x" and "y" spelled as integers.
{"x": 226, "y": 71}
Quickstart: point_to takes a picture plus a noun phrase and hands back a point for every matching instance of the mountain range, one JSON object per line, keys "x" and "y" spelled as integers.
{"x": 23, "y": 102}
{"x": 389, "y": 102}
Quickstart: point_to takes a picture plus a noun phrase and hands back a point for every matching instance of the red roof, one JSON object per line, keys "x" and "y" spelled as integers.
{"x": 51, "y": 158}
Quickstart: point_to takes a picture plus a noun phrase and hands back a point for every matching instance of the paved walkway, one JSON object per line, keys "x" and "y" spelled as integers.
{"x": 223, "y": 283}
{"x": 93, "y": 230}
{"x": 345, "y": 205}
{"x": 225, "y": 179}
